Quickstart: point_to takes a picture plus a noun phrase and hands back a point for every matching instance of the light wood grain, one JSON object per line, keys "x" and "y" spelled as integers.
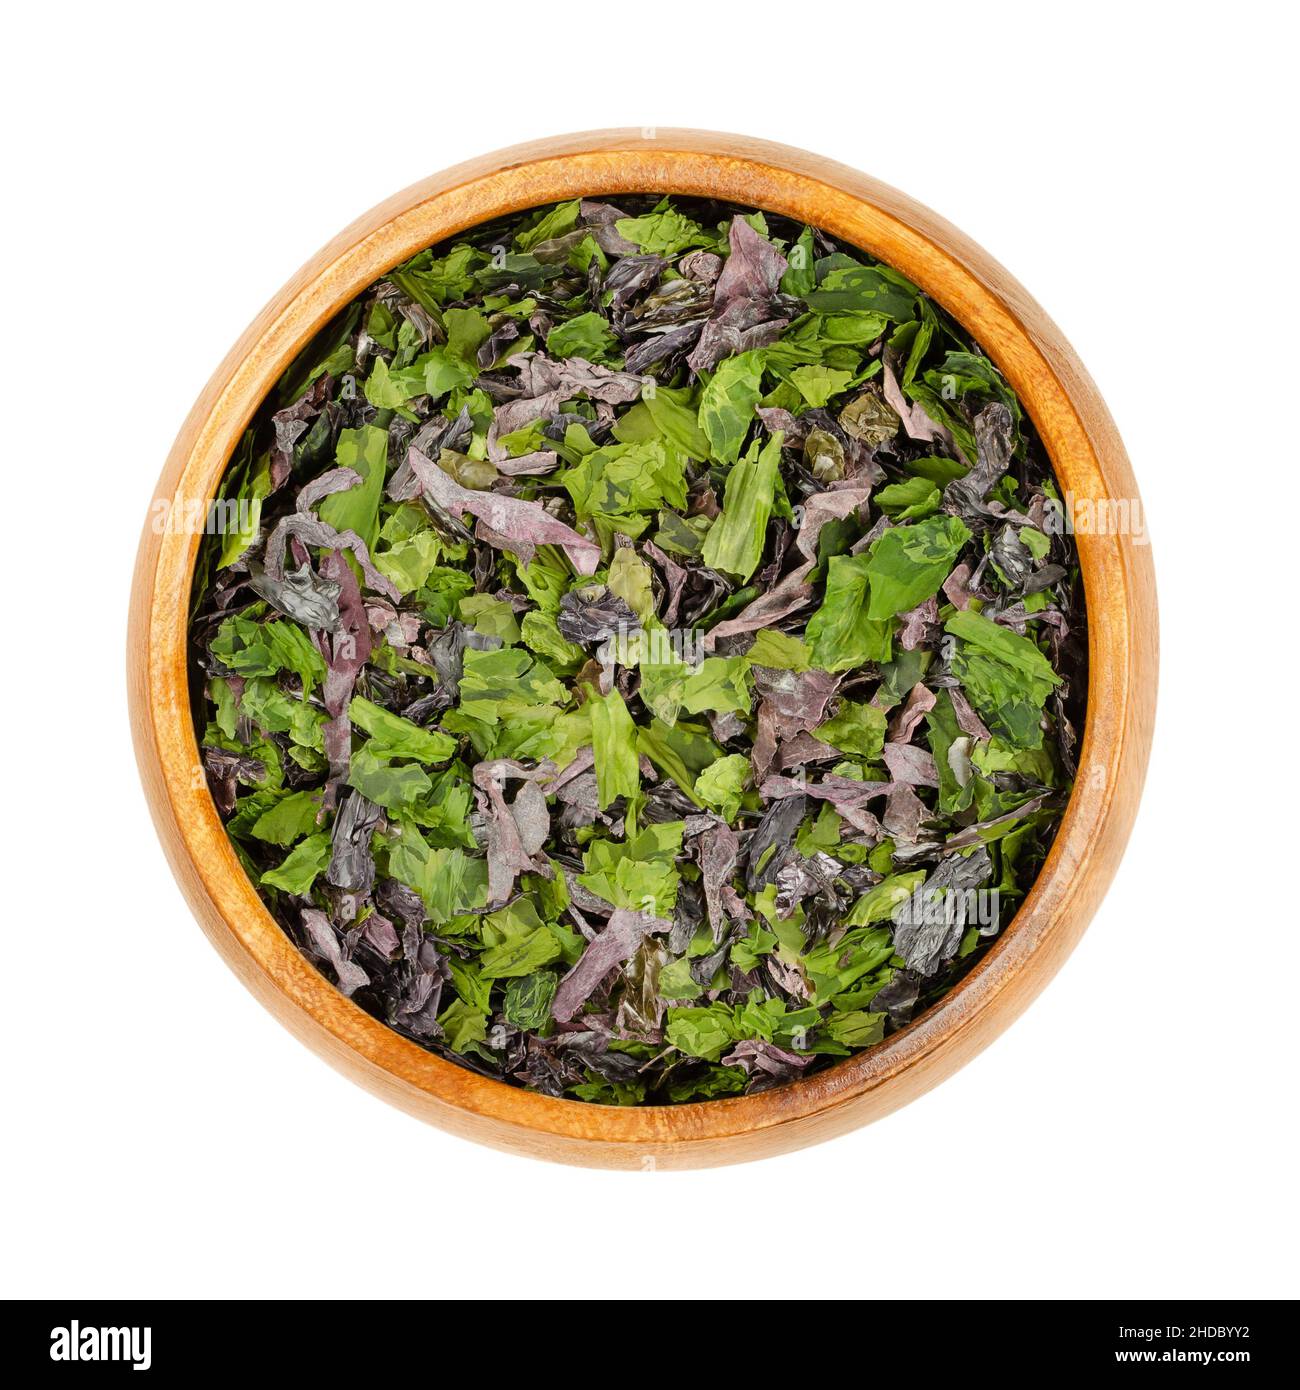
{"x": 1119, "y": 580}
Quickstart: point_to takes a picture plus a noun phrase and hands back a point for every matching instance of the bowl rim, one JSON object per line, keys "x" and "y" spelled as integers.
{"x": 1089, "y": 460}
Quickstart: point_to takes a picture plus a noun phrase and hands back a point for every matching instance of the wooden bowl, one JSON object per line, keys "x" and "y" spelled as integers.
{"x": 1119, "y": 582}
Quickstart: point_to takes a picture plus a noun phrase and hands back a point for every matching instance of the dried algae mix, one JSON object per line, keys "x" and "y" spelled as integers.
{"x": 641, "y": 657}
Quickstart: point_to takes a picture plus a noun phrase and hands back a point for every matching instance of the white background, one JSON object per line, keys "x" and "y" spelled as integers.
{"x": 168, "y": 169}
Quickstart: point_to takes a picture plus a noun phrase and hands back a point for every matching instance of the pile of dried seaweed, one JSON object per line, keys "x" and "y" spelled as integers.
{"x": 642, "y": 659}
